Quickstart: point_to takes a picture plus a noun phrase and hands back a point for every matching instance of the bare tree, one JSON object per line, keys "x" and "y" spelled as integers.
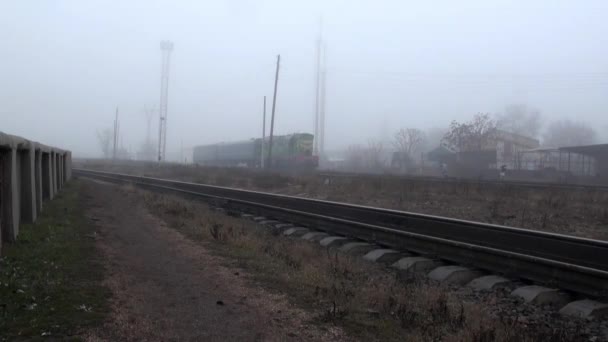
{"x": 475, "y": 135}
{"x": 374, "y": 154}
{"x": 104, "y": 138}
{"x": 483, "y": 132}
{"x": 520, "y": 119}
{"x": 456, "y": 135}
{"x": 408, "y": 140}
{"x": 433, "y": 137}
{"x": 355, "y": 157}
{"x": 365, "y": 158}
{"x": 147, "y": 150}
{"x": 569, "y": 133}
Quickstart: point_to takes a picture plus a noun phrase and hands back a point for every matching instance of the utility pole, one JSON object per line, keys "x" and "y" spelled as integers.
{"x": 322, "y": 105}
{"x": 320, "y": 76}
{"x": 166, "y": 47}
{"x": 149, "y": 113}
{"x": 148, "y": 150}
{"x": 274, "y": 103}
{"x": 317, "y": 85}
{"x": 263, "y": 133}
{"x": 115, "y": 141}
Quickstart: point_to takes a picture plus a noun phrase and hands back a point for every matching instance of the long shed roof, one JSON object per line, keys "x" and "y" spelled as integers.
{"x": 598, "y": 151}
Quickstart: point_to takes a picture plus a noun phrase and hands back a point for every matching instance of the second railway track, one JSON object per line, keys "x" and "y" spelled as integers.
{"x": 575, "y": 264}
{"x": 468, "y": 181}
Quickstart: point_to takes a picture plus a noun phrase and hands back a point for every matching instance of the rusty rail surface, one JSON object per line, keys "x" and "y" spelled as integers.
{"x": 571, "y": 263}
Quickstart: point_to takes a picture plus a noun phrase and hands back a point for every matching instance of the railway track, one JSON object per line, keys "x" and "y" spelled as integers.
{"x": 573, "y": 264}
{"x": 453, "y": 180}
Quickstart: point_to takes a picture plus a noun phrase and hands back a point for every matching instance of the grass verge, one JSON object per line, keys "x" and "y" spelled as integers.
{"x": 50, "y": 279}
{"x": 368, "y": 301}
{"x": 578, "y": 212}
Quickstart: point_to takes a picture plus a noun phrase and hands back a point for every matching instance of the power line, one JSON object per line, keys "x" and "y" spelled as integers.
{"x": 468, "y": 74}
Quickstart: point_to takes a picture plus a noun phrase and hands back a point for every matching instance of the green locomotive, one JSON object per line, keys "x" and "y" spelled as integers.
{"x": 288, "y": 151}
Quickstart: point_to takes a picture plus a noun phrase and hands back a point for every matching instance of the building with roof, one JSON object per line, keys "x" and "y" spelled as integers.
{"x": 504, "y": 148}
{"x": 588, "y": 162}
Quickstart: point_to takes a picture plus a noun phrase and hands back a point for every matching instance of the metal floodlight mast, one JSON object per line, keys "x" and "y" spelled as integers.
{"x": 166, "y": 47}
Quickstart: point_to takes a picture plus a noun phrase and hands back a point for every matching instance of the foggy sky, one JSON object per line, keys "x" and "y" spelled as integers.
{"x": 66, "y": 65}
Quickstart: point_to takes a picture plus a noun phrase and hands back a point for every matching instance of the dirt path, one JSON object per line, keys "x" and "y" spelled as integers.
{"x": 166, "y": 287}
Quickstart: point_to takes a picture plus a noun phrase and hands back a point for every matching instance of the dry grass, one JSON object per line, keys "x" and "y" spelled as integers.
{"x": 369, "y": 301}
{"x": 567, "y": 211}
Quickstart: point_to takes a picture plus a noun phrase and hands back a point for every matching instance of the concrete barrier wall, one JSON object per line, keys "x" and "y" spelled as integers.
{"x": 30, "y": 173}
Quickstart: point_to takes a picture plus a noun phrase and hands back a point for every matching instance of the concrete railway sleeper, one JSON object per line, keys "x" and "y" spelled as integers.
{"x": 503, "y": 252}
{"x": 412, "y": 264}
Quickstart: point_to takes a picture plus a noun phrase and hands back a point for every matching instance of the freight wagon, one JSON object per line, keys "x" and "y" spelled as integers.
{"x": 293, "y": 151}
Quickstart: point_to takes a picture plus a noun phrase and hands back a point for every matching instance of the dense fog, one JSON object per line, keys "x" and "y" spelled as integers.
{"x": 67, "y": 65}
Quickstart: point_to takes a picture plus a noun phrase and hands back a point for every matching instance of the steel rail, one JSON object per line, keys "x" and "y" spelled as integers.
{"x": 571, "y": 263}
{"x": 461, "y": 180}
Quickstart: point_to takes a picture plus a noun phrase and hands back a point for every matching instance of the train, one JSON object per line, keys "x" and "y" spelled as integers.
{"x": 292, "y": 151}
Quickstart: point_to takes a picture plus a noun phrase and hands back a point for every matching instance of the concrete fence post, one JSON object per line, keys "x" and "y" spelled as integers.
{"x": 27, "y": 177}
{"x": 54, "y": 170}
{"x": 68, "y": 165}
{"x": 58, "y": 170}
{"x": 61, "y": 171}
{"x": 10, "y": 198}
{"x": 47, "y": 176}
{"x": 38, "y": 175}
{"x": 29, "y": 174}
